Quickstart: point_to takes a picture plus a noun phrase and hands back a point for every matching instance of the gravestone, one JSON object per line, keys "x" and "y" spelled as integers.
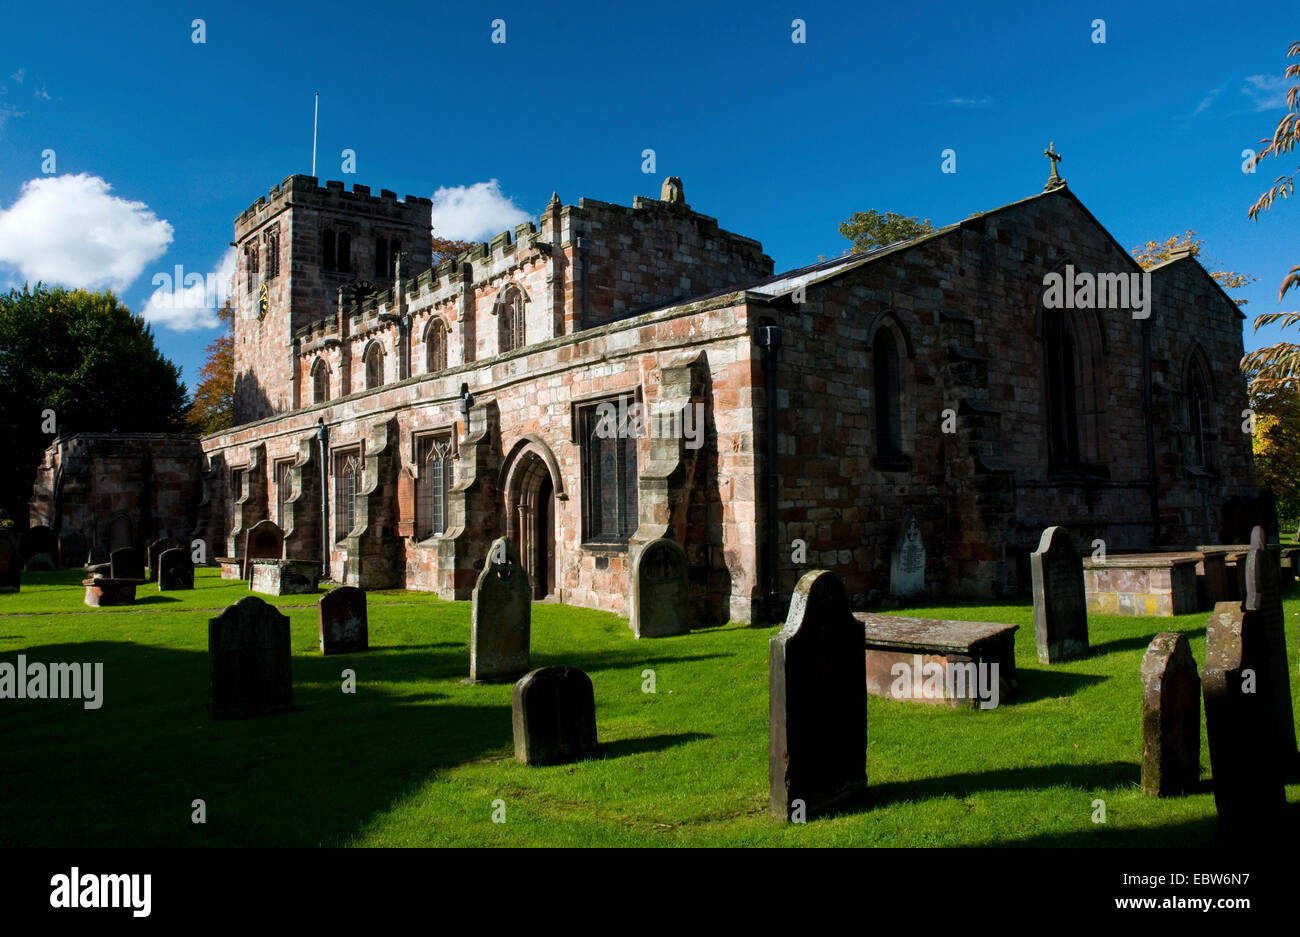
{"x": 1264, "y": 596}
{"x": 818, "y": 702}
{"x": 501, "y": 617}
{"x": 72, "y": 549}
{"x": 127, "y": 563}
{"x": 264, "y": 541}
{"x": 1239, "y": 721}
{"x": 249, "y": 663}
{"x": 907, "y": 563}
{"x": 156, "y": 549}
{"x": 554, "y": 716}
{"x": 98, "y": 554}
{"x": 1060, "y": 605}
{"x": 175, "y": 570}
{"x": 661, "y": 599}
{"x": 119, "y": 533}
{"x": 343, "y": 625}
{"x": 39, "y": 547}
{"x": 1171, "y": 717}
{"x": 11, "y": 562}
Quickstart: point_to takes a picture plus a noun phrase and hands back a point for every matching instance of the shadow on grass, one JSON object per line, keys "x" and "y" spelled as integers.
{"x": 1137, "y": 642}
{"x": 1037, "y": 777}
{"x": 1205, "y": 832}
{"x": 155, "y": 599}
{"x": 649, "y": 743}
{"x": 125, "y": 774}
{"x": 1049, "y": 684}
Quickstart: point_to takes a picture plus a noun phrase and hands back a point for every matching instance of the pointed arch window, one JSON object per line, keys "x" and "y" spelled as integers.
{"x": 432, "y": 485}
{"x": 510, "y": 321}
{"x": 435, "y": 347}
{"x": 283, "y": 489}
{"x": 347, "y": 485}
{"x": 1073, "y": 383}
{"x": 893, "y": 395}
{"x": 609, "y": 472}
{"x": 887, "y": 369}
{"x": 320, "y": 382}
{"x": 1199, "y": 404}
{"x": 374, "y": 366}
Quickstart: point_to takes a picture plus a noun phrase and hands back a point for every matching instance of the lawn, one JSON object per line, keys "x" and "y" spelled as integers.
{"x": 415, "y": 758}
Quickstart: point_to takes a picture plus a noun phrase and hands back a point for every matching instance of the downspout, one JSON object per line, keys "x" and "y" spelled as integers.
{"x": 1153, "y": 483}
{"x": 769, "y": 339}
{"x": 323, "y": 437}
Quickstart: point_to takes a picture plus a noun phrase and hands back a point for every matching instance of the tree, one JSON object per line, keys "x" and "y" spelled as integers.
{"x": 869, "y": 229}
{"x": 73, "y": 361}
{"x": 1157, "y": 252}
{"x": 1279, "y": 364}
{"x": 213, "y": 408}
{"x": 446, "y": 249}
{"x": 1276, "y": 444}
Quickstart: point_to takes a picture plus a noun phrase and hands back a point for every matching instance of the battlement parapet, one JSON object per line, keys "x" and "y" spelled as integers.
{"x": 301, "y": 190}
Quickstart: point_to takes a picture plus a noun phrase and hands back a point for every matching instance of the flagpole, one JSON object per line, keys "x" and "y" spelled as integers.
{"x": 314, "y": 120}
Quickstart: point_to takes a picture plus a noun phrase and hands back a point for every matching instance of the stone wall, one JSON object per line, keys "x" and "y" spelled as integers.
{"x": 131, "y": 488}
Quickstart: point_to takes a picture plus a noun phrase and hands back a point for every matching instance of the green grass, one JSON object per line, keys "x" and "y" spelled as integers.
{"x": 415, "y": 758}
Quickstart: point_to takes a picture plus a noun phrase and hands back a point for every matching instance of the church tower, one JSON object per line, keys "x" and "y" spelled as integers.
{"x": 295, "y": 248}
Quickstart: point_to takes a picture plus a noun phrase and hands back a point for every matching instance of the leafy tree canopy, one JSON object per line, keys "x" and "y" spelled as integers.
{"x": 869, "y": 229}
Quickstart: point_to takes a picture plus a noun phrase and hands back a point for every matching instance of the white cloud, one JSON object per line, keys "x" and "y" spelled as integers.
{"x": 1268, "y": 92}
{"x": 187, "y": 308}
{"x": 41, "y": 93}
{"x": 968, "y": 102}
{"x": 70, "y": 230}
{"x": 1206, "y": 101}
{"x": 18, "y": 75}
{"x": 475, "y": 212}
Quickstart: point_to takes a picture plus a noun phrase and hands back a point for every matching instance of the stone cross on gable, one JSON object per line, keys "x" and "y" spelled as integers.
{"x": 1054, "y": 180}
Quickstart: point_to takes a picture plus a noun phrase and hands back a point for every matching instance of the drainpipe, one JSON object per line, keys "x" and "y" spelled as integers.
{"x": 769, "y": 339}
{"x": 1153, "y": 483}
{"x": 323, "y": 437}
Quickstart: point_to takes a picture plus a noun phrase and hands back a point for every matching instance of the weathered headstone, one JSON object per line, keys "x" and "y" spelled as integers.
{"x": 40, "y": 547}
{"x": 501, "y": 617}
{"x": 1264, "y": 596}
{"x": 343, "y": 625}
{"x": 98, "y": 554}
{"x": 118, "y": 533}
{"x": 554, "y": 715}
{"x": 156, "y": 549}
{"x": 661, "y": 599}
{"x": 127, "y": 563}
{"x": 264, "y": 541}
{"x": 907, "y": 563}
{"x": 1060, "y": 606}
{"x": 175, "y": 570}
{"x": 11, "y": 562}
{"x": 72, "y": 549}
{"x": 818, "y": 702}
{"x": 1171, "y": 717}
{"x": 1248, "y": 785}
{"x": 249, "y": 662}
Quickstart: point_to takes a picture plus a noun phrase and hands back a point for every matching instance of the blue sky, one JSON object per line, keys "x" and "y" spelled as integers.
{"x": 780, "y": 141}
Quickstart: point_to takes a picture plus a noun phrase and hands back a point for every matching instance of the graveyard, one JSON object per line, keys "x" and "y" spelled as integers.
{"x": 419, "y": 756}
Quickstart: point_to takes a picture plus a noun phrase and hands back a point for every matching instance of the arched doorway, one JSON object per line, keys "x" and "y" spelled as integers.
{"x": 531, "y": 516}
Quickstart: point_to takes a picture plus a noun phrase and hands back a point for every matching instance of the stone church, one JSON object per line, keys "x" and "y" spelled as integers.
{"x": 609, "y": 375}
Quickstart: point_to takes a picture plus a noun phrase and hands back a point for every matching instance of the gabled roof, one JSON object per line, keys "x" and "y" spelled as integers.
{"x": 783, "y": 284}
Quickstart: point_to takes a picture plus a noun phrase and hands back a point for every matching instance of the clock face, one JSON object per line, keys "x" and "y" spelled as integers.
{"x": 263, "y": 301}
